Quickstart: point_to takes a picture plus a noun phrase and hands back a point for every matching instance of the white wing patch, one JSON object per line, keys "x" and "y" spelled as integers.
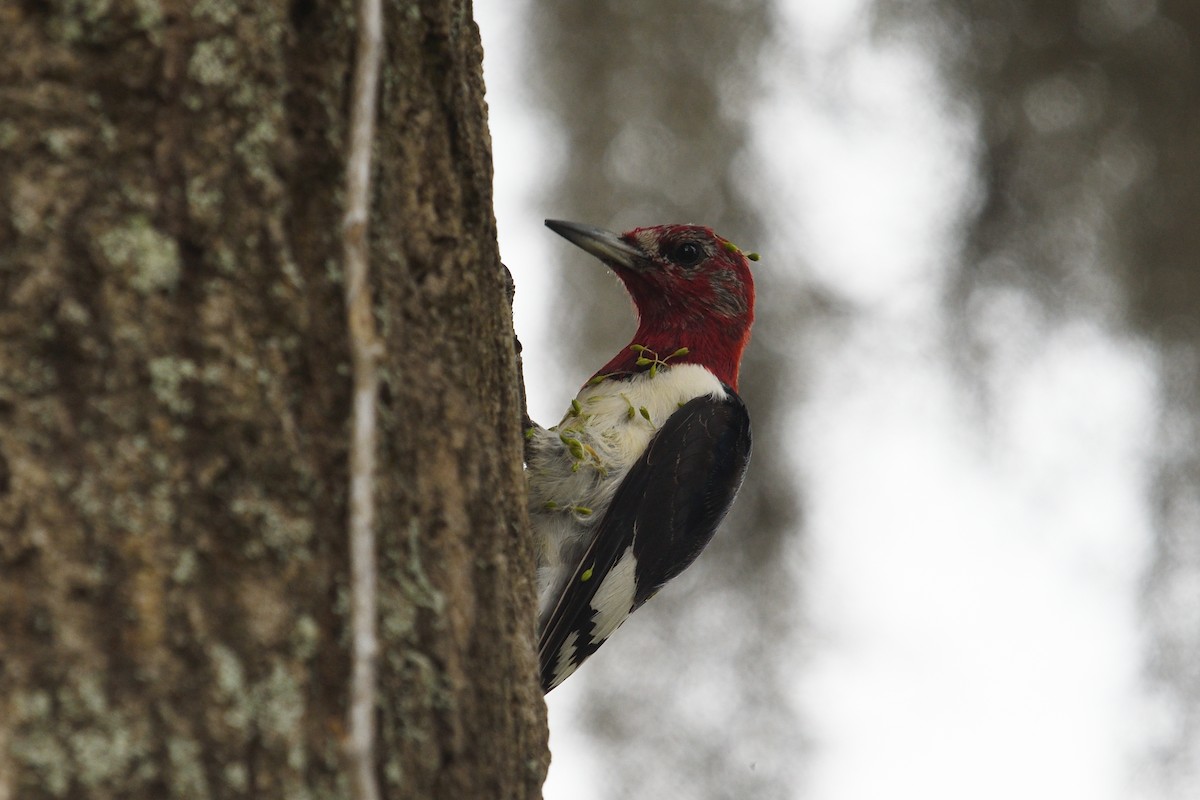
{"x": 614, "y": 599}
{"x": 566, "y": 662}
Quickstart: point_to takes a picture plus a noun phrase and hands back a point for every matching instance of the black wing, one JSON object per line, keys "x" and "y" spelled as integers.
{"x": 662, "y": 515}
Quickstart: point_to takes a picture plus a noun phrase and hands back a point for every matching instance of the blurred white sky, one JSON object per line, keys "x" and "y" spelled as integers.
{"x": 972, "y": 583}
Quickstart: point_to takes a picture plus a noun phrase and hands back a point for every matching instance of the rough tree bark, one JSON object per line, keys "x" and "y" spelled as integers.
{"x": 174, "y": 398}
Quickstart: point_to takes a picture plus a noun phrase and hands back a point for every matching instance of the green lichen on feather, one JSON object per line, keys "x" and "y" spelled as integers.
{"x": 733, "y": 248}
{"x": 649, "y": 358}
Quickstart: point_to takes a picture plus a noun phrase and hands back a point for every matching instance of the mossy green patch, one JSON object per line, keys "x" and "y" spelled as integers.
{"x": 167, "y": 377}
{"x": 9, "y": 133}
{"x": 221, "y": 12}
{"x": 212, "y": 62}
{"x": 149, "y": 257}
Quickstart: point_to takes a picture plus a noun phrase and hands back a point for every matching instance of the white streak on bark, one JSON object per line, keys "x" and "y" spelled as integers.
{"x": 365, "y": 350}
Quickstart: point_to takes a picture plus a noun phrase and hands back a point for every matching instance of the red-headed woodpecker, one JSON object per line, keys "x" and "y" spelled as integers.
{"x": 630, "y": 486}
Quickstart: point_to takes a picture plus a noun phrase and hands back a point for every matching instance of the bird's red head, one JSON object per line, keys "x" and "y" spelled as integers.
{"x": 692, "y": 290}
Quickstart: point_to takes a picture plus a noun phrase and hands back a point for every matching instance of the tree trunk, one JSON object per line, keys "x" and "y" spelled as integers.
{"x": 174, "y": 405}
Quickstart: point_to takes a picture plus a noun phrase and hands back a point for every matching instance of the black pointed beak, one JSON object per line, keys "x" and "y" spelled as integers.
{"x": 604, "y": 245}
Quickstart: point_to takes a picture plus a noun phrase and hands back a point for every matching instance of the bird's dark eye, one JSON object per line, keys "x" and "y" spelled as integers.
{"x": 687, "y": 254}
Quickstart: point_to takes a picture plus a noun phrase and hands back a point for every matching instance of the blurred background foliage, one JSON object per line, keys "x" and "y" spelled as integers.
{"x": 1088, "y": 124}
{"x": 1086, "y": 205}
